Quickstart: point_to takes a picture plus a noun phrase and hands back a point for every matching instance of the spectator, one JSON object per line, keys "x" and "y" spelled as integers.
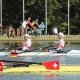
{"x": 42, "y": 27}
{"x": 11, "y": 31}
{"x": 22, "y": 31}
{"x": 18, "y": 32}
{"x": 36, "y": 23}
{"x": 55, "y": 31}
{"x": 27, "y": 24}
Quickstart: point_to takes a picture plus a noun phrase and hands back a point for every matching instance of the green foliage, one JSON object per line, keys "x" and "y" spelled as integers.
{"x": 57, "y": 13}
{"x": 74, "y": 2}
{"x": 75, "y": 16}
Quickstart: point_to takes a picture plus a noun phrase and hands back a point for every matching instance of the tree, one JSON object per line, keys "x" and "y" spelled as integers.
{"x": 13, "y": 11}
{"x": 57, "y": 14}
{"x": 75, "y": 16}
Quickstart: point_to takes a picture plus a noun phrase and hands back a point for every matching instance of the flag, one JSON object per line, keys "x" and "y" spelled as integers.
{"x": 51, "y": 65}
{"x": 3, "y": 63}
{"x": 1, "y": 67}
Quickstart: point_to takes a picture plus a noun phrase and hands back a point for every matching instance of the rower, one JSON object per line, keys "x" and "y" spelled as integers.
{"x": 60, "y": 43}
{"x": 27, "y": 43}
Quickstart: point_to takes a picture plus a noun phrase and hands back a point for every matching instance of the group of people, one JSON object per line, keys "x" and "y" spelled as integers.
{"x": 32, "y": 25}
{"x": 15, "y": 32}
{"x": 59, "y": 45}
{"x": 28, "y": 26}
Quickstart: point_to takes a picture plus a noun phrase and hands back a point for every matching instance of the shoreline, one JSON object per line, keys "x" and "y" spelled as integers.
{"x": 68, "y": 38}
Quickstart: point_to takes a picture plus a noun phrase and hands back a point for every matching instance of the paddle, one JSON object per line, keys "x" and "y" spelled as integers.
{"x": 15, "y": 54}
{"x": 5, "y": 49}
{"x": 15, "y": 47}
{"x": 50, "y": 65}
{"x": 19, "y": 62}
{"x": 37, "y": 49}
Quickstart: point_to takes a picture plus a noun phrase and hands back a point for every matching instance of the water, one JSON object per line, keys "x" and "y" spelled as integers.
{"x": 69, "y": 45}
{"x": 29, "y": 76}
{"x": 39, "y": 77}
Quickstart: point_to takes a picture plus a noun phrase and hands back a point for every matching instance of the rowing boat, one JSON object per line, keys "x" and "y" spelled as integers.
{"x": 39, "y": 57}
{"x": 51, "y": 53}
{"x": 71, "y": 53}
{"x": 64, "y": 69}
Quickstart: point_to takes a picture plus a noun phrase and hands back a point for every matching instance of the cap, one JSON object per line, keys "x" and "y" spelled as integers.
{"x": 61, "y": 34}
{"x": 29, "y": 18}
{"x": 27, "y": 35}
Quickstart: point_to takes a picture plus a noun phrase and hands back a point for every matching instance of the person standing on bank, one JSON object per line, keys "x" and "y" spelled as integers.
{"x": 55, "y": 30}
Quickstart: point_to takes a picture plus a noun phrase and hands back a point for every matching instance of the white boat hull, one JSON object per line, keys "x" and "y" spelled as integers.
{"x": 47, "y": 54}
{"x": 51, "y": 53}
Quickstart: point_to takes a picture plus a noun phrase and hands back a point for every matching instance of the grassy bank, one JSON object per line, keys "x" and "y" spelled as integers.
{"x": 73, "y": 38}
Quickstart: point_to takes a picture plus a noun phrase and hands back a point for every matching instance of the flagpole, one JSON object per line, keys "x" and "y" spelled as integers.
{"x": 46, "y": 15}
{"x": 1, "y": 11}
{"x": 23, "y": 11}
{"x": 68, "y": 18}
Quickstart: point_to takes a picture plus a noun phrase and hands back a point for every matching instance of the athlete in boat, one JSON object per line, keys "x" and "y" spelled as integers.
{"x": 27, "y": 43}
{"x": 59, "y": 45}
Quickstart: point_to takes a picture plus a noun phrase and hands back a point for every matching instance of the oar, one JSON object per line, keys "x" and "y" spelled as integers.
{"x": 49, "y": 65}
{"x": 15, "y": 54}
{"x": 5, "y": 49}
{"x": 32, "y": 50}
{"x": 15, "y": 47}
{"x": 37, "y": 49}
{"x": 19, "y": 62}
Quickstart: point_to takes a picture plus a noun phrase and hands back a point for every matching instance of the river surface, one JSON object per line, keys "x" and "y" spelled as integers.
{"x": 30, "y": 76}
{"x": 39, "y": 77}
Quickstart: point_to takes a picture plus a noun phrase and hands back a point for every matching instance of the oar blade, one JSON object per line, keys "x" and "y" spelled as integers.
{"x": 51, "y": 65}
